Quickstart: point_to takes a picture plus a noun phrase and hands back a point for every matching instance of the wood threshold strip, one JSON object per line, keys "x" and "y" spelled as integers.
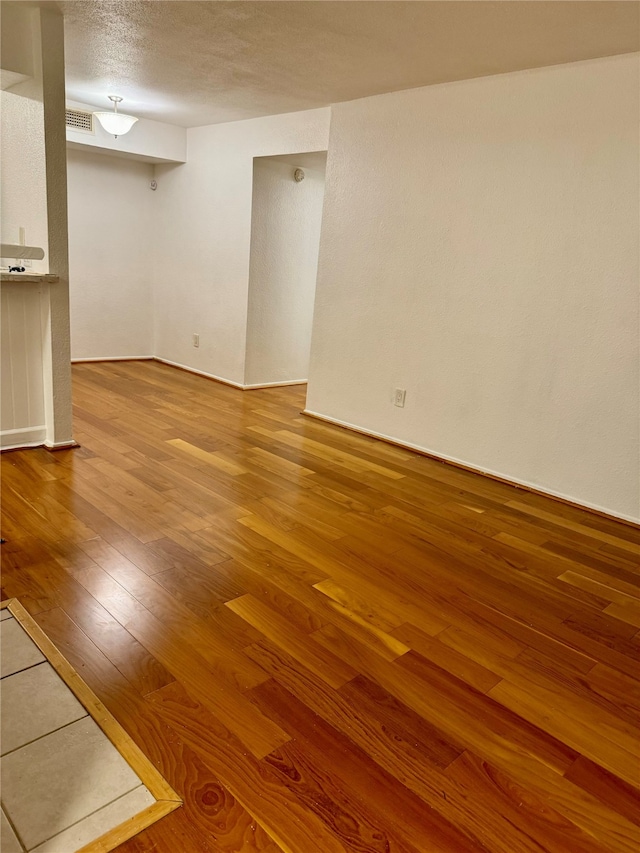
{"x": 469, "y": 468}
{"x": 167, "y": 800}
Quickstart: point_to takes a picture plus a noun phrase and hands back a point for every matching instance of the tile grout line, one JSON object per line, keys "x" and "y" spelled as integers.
{"x": 90, "y": 814}
{"x": 14, "y": 828}
{"x": 24, "y": 668}
{"x": 46, "y": 734}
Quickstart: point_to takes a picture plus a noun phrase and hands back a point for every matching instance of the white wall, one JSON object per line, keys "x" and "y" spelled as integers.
{"x": 204, "y": 237}
{"x": 23, "y": 190}
{"x": 17, "y": 47}
{"x": 480, "y": 249}
{"x": 285, "y": 238}
{"x": 112, "y": 241}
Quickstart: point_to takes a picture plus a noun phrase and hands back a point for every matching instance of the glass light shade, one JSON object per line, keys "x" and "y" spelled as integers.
{"x": 116, "y": 123}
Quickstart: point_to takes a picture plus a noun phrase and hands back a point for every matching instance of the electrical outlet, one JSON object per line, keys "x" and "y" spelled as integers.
{"x": 399, "y": 397}
{"x": 196, "y": 340}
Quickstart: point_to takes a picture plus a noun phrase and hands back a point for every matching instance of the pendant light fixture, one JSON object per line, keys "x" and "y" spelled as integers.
{"x": 115, "y": 122}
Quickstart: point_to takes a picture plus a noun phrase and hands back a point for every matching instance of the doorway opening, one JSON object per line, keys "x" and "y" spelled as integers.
{"x": 288, "y": 194}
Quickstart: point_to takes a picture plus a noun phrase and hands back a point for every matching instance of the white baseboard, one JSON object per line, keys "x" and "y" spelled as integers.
{"x": 14, "y": 439}
{"x": 60, "y": 445}
{"x": 467, "y": 466}
{"x": 199, "y": 372}
{"x": 21, "y": 439}
{"x": 113, "y": 358}
{"x": 274, "y": 384}
{"x": 213, "y": 376}
{"x": 228, "y": 381}
{"x": 24, "y": 445}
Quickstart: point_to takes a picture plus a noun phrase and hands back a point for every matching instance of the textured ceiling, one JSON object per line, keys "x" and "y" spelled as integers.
{"x": 196, "y": 63}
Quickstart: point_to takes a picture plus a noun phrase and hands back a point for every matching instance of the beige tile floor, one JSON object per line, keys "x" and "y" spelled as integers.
{"x": 63, "y": 782}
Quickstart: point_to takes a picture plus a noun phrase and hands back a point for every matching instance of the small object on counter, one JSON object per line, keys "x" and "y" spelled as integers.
{"x": 16, "y": 269}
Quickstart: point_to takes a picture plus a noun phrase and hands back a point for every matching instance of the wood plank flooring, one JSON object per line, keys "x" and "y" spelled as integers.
{"x": 328, "y": 644}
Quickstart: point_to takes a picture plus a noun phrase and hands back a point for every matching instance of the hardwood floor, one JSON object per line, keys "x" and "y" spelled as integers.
{"x": 326, "y": 643}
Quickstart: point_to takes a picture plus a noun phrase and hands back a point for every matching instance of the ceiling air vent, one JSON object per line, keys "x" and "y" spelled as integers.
{"x": 79, "y": 120}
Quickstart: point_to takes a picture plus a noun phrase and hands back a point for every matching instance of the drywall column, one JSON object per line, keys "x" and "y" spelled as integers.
{"x": 55, "y": 307}
{"x": 285, "y": 238}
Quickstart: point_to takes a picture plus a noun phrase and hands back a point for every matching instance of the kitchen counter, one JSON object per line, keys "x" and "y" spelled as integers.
{"x": 27, "y": 277}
